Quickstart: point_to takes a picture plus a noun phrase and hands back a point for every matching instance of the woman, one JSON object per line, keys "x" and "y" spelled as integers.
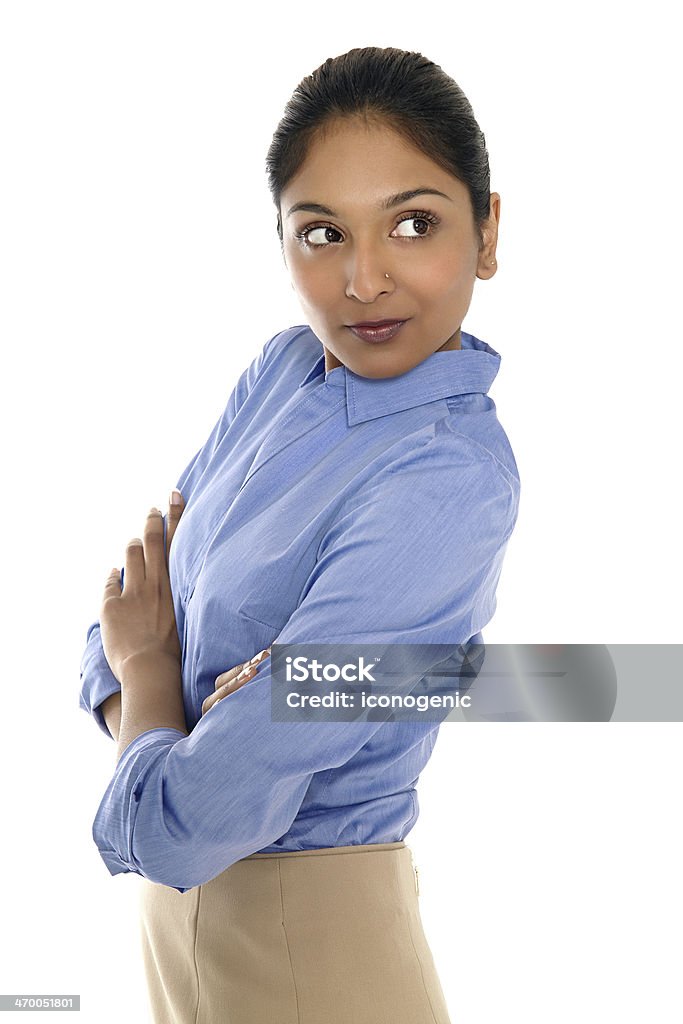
{"x": 358, "y": 488}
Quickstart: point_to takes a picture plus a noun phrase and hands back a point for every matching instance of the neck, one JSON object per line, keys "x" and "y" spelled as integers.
{"x": 452, "y": 343}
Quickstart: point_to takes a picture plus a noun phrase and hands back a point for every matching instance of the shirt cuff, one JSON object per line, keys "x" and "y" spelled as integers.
{"x": 97, "y": 679}
{"x": 112, "y": 828}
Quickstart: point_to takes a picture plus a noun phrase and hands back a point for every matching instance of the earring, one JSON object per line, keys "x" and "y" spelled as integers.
{"x": 386, "y": 275}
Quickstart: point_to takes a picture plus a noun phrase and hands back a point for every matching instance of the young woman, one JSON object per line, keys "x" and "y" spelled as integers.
{"x": 357, "y": 488}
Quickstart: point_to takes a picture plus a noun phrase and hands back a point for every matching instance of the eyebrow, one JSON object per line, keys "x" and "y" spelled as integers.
{"x": 385, "y": 204}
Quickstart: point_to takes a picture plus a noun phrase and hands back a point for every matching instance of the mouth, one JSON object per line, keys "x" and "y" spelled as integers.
{"x": 376, "y": 323}
{"x": 376, "y": 330}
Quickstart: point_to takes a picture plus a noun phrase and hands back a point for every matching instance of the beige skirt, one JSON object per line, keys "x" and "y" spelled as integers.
{"x": 327, "y": 936}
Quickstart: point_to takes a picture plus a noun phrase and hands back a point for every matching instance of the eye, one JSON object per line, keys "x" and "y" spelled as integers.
{"x": 307, "y": 236}
{"x": 419, "y": 217}
{"x": 323, "y": 238}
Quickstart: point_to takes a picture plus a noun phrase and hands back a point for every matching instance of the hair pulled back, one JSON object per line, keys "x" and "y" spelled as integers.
{"x": 398, "y": 89}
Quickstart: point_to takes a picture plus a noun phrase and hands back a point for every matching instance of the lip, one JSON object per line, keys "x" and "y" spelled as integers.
{"x": 377, "y": 323}
{"x": 379, "y": 330}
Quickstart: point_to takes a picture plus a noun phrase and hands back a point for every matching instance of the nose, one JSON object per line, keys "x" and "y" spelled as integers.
{"x": 366, "y": 276}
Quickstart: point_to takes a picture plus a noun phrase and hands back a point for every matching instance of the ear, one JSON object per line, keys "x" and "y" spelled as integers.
{"x": 487, "y": 263}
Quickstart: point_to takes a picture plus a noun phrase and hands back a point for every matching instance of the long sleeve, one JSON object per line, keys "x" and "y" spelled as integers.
{"x": 97, "y": 681}
{"x": 413, "y": 558}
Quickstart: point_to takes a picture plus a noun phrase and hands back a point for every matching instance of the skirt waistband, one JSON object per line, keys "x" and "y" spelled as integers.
{"x": 326, "y": 850}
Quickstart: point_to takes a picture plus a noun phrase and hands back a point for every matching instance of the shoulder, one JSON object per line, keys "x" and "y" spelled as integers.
{"x": 291, "y": 340}
{"x": 450, "y": 471}
{"x": 490, "y": 449}
{"x": 434, "y": 476}
{"x": 292, "y": 351}
{"x": 441, "y": 453}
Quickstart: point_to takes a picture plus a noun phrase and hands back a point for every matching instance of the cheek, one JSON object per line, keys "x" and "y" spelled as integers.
{"x": 436, "y": 281}
{"x": 445, "y": 277}
{"x": 313, "y": 281}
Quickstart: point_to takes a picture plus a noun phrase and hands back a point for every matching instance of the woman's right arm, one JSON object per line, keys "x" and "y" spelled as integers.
{"x": 100, "y": 693}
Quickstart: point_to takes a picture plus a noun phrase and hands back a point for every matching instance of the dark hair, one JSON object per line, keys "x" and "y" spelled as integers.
{"x": 398, "y": 88}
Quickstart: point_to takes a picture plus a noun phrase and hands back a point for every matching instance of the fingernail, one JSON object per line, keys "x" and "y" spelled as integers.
{"x": 175, "y": 498}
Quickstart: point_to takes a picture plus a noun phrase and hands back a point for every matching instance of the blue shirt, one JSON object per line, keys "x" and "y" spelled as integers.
{"x": 323, "y": 507}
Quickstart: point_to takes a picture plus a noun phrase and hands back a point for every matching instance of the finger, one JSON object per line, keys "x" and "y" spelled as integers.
{"x": 234, "y": 679}
{"x": 214, "y": 698}
{"x": 112, "y": 588}
{"x": 135, "y": 564}
{"x": 226, "y": 690}
{"x": 229, "y": 675}
{"x": 153, "y": 545}
{"x": 175, "y": 510}
{"x": 233, "y": 673}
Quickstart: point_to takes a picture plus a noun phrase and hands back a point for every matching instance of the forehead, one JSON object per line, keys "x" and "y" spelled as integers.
{"x": 357, "y": 164}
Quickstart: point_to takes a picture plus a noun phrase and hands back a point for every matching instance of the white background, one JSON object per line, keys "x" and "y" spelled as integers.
{"x": 141, "y": 272}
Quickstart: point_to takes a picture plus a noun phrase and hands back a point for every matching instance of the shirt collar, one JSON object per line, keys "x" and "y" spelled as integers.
{"x": 472, "y": 368}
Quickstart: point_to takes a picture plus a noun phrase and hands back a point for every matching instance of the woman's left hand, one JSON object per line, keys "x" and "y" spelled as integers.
{"x": 234, "y": 679}
{"x": 140, "y": 618}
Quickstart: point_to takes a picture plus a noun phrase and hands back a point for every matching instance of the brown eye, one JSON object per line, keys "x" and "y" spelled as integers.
{"x": 324, "y": 239}
{"x": 427, "y": 223}
{"x": 418, "y": 220}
